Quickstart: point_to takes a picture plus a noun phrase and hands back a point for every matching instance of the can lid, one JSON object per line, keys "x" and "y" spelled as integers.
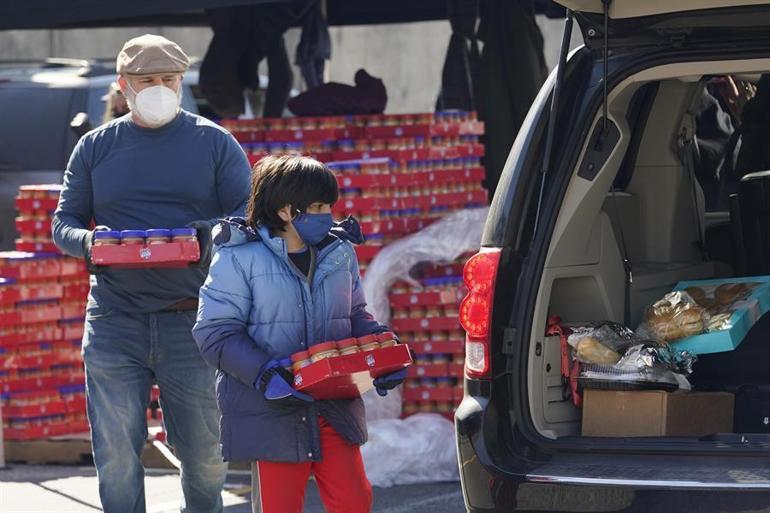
{"x": 133, "y": 234}
{"x": 367, "y": 339}
{"x": 107, "y": 234}
{"x": 323, "y": 346}
{"x": 299, "y": 356}
{"x": 159, "y": 232}
{"x": 346, "y": 343}
{"x": 17, "y": 255}
{"x": 183, "y": 232}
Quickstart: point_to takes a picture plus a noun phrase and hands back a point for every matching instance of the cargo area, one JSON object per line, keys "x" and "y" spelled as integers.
{"x": 650, "y": 320}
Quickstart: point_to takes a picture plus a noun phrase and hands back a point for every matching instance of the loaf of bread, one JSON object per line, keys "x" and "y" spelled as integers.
{"x": 729, "y": 293}
{"x": 675, "y": 323}
{"x": 590, "y": 350}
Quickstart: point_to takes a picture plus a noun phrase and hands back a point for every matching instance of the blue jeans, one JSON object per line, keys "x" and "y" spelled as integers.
{"x": 123, "y": 353}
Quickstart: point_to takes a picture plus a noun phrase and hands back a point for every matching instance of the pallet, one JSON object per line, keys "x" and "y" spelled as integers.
{"x": 75, "y": 450}
{"x": 62, "y": 451}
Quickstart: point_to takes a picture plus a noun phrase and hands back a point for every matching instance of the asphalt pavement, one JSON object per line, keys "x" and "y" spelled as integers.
{"x": 67, "y": 489}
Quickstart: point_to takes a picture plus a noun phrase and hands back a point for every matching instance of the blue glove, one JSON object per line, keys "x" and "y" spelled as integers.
{"x": 389, "y": 381}
{"x": 275, "y": 382}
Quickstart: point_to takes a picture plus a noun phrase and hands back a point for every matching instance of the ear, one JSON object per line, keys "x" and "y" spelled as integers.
{"x": 123, "y": 84}
{"x": 285, "y": 213}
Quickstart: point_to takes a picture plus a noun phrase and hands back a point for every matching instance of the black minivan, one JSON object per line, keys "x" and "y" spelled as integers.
{"x": 638, "y": 167}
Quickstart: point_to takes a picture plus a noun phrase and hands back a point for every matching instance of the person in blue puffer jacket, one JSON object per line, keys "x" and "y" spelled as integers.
{"x": 281, "y": 280}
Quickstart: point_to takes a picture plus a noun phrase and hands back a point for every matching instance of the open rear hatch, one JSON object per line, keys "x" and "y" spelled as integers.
{"x": 660, "y": 32}
{"x": 655, "y": 22}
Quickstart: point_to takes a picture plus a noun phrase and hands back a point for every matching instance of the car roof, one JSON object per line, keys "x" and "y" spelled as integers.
{"x": 70, "y": 73}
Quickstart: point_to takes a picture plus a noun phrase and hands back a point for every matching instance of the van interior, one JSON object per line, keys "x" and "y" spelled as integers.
{"x": 669, "y": 218}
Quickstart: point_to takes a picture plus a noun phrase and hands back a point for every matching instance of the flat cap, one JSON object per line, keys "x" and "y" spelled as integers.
{"x": 149, "y": 55}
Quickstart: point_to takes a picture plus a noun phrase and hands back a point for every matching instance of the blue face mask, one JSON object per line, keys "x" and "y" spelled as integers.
{"x": 313, "y": 228}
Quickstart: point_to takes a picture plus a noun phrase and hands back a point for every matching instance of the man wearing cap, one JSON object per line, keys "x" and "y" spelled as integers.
{"x": 157, "y": 167}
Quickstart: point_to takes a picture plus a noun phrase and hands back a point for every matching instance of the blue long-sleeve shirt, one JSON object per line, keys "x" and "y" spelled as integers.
{"x": 123, "y": 176}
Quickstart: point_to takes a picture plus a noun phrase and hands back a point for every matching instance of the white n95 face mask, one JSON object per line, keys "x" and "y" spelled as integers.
{"x": 156, "y": 105}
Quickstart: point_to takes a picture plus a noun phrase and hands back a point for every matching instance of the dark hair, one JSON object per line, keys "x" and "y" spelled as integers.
{"x": 287, "y": 180}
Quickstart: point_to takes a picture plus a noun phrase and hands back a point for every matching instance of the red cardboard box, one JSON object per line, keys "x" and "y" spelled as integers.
{"x": 349, "y": 376}
{"x": 169, "y": 254}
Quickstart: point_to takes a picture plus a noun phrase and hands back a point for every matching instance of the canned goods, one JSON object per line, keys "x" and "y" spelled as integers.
{"x": 106, "y": 238}
{"x": 132, "y": 237}
{"x": 368, "y": 343}
{"x": 184, "y": 235}
{"x": 300, "y": 360}
{"x": 322, "y": 351}
{"x": 158, "y": 236}
{"x": 348, "y": 346}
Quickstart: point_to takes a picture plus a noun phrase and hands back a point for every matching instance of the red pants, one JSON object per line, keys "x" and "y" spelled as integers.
{"x": 340, "y": 476}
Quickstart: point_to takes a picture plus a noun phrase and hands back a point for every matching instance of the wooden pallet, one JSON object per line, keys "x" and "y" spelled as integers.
{"x": 64, "y": 451}
{"x": 75, "y": 450}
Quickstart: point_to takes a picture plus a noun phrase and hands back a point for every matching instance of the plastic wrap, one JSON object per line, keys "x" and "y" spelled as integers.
{"x": 601, "y": 343}
{"x": 646, "y": 365}
{"x": 418, "y": 449}
{"x": 675, "y": 316}
{"x": 696, "y": 310}
{"x": 443, "y": 241}
{"x": 721, "y": 301}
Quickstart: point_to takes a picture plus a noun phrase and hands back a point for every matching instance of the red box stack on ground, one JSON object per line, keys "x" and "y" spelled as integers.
{"x": 42, "y": 307}
{"x": 427, "y": 319}
{"x": 41, "y": 326}
{"x": 36, "y": 204}
{"x": 397, "y": 173}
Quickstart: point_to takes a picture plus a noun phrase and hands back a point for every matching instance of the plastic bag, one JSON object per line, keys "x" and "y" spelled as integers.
{"x": 601, "y": 343}
{"x": 721, "y": 301}
{"x": 675, "y": 316}
{"x": 443, "y": 241}
{"x": 646, "y": 365}
{"x": 418, "y": 449}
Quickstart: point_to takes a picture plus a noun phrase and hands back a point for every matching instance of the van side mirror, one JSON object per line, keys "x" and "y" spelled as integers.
{"x": 80, "y": 124}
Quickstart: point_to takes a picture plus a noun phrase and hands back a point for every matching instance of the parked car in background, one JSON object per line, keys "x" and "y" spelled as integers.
{"x": 38, "y": 101}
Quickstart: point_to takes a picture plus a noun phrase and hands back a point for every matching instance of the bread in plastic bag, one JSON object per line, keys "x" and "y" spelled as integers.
{"x": 675, "y": 316}
{"x": 602, "y": 342}
{"x": 643, "y": 366}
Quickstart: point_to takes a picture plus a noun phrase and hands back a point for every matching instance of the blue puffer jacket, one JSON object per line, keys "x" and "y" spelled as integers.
{"x": 256, "y": 306}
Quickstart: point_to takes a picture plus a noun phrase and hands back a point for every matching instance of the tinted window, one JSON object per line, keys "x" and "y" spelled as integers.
{"x": 35, "y": 131}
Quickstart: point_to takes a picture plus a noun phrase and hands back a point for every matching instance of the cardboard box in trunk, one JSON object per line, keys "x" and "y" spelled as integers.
{"x": 656, "y": 413}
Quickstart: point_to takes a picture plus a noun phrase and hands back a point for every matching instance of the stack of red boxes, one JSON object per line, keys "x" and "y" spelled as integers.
{"x": 397, "y": 173}
{"x": 42, "y": 299}
{"x": 36, "y": 204}
{"x": 427, "y": 318}
{"x": 42, "y": 308}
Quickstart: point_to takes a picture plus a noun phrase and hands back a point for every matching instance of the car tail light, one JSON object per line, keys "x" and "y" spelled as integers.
{"x": 479, "y": 275}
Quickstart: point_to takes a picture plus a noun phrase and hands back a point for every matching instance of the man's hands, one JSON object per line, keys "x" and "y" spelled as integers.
{"x": 87, "y": 245}
{"x": 276, "y": 383}
{"x": 203, "y": 233}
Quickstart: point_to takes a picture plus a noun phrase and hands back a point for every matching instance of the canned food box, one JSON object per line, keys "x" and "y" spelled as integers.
{"x": 349, "y": 376}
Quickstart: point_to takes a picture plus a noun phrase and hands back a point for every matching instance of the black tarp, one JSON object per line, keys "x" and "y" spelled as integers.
{"x": 37, "y": 14}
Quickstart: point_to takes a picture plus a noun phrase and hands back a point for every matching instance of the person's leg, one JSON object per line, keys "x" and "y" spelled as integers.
{"x": 340, "y": 475}
{"x": 115, "y": 351}
{"x": 278, "y": 487}
{"x": 188, "y": 401}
